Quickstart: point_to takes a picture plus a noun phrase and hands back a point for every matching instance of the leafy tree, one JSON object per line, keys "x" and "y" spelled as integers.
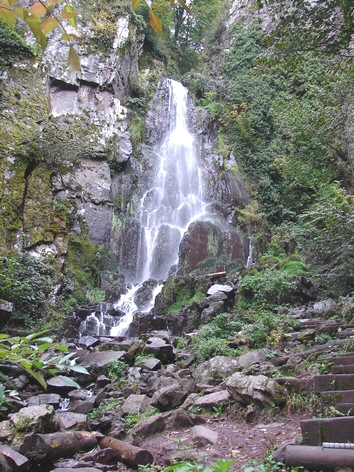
{"x": 325, "y": 233}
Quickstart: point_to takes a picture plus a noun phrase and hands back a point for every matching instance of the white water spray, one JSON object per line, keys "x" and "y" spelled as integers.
{"x": 167, "y": 209}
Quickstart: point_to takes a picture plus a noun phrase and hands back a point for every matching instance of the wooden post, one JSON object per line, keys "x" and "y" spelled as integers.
{"x": 317, "y": 457}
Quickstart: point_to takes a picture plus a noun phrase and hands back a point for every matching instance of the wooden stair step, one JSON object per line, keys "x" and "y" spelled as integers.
{"x": 328, "y": 382}
{"x": 315, "y": 458}
{"x": 315, "y": 432}
{"x": 338, "y": 396}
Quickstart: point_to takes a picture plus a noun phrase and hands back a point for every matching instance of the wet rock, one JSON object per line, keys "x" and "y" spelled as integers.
{"x": 71, "y": 421}
{"x": 45, "y": 399}
{"x": 211, "y": 311}
{"x": 249, "y": 389}
{"x": 136, "y": 404}
{"x": 4, "y": 465}
{"x": 160, "y": 349}
{"x": 203, "y": 436}
{"x": 88, "y": 341}
{"x": 102, "y": 381}
{"x": 215, "y": 370}
{"x": 35, "y": 419}
{"x": 149, "y": 363}
{"x": 168, "y": 398}
{"x": 212, "y": 399}
{"x": 82, "y": 401}
{"x": 252, "y": 357}
{"x": 96, "y": 362}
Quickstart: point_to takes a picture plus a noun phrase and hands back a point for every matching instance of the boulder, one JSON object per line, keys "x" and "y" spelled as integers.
{"x": 61, "y": 384}
{"x": 203, "y": 436}
{"x": 252, "y": 357}
{"x": 35, "y": 419}
{"x": 248, "y": 389}
{"x": 215, "y": 370}
{"x": 212, "y": 399}
{"x": 228, "y": 289}
{"x": 136, "y": 404}
{"x": 149, "y": 363}
{"x": 168, "y": 398}
{"x": 12, "y": 458}
{"x": 96, "y": 362}
{"x": 70, "y": 421}
{"x": 160, "y": 349}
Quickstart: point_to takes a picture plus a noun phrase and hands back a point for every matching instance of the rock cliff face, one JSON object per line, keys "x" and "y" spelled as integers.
{"x": 67, "y": 160}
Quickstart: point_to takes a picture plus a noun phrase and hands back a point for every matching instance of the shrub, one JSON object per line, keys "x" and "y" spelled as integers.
{"x": 26, "y": 282}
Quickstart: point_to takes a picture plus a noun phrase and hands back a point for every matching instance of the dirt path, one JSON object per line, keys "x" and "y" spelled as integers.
{"x": 236, "y": 440}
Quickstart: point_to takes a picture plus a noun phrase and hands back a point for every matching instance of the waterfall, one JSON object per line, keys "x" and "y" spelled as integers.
{"x": 169, "y": 206}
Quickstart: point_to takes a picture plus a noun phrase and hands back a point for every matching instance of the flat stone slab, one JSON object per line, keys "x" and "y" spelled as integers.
{"x": 72, "y": 421}
{"x": 100, "y": 358}
{"x": 45, "y": 399}
{"x": 212, "y": 399}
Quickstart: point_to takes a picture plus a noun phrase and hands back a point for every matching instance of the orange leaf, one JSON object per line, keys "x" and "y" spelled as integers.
{"x": 38, "y": 10}
{"x": 135, "y": 4}
{"x": 155, "y": 22}
{"x": 157, "y": 7}
{"x": 49, "y": 24}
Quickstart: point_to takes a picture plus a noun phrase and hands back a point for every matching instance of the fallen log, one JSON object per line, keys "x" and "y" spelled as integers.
{"x": 126, "y": 452}
{"x": 48, "y": 447}
{"x": 317, "y": 457}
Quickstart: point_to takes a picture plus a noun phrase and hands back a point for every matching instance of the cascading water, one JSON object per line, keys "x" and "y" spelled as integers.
{"x": 173, "y": 201}
{"x": 168, "y": 207}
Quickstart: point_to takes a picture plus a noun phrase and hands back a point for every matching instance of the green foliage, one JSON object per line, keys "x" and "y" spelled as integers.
{"x": 103, "y": 409}
{"x": 116, "y": 368}
{"x": 36, "y": 355}
{"x": 11, "y": 46}
{"x": 213, "y": 338}
{"x": 84, "y": 263}
{"x": 26, "y": 282}
{"x": 220, "y": 466}
{"x": 326, "y": 235}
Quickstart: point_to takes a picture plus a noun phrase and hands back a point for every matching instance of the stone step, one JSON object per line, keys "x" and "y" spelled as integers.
{"x": 346, "y": 359}
{"x": 345, "y": 408}
{"x": 345, "y": 333}
{"x": 328, "y": 382}
{"x": 343, "y": 369}
{"x": 315, "y": 432}
{"x": 338, "y": 396}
